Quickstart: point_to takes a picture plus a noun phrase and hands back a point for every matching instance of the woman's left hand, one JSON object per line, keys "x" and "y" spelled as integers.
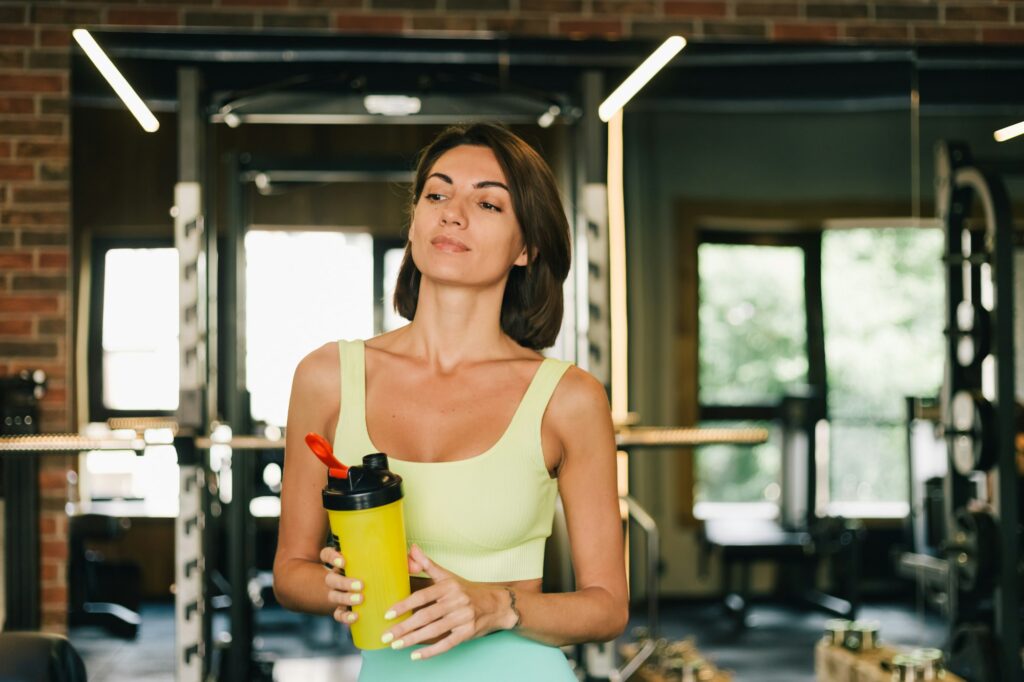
{"x": 451, "y": 608}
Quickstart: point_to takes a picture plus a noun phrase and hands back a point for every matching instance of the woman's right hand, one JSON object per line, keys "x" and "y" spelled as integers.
{"x": 343, "y": 591}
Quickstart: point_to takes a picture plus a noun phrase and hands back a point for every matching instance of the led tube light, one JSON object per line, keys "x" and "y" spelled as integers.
{"x": 107, "y": 69}
{"x": 1009, "y": 132}
{"x": 638, "y": 79}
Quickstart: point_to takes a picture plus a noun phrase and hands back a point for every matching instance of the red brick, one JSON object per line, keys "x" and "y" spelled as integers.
{"x": 53, "y": 478}
{"x": 255, "y": 3}
{"x": 53, "y": 105}
{"x": 42, "y": 150}
{"x": 17, "y": 105}
{"x": 735, "y": 29}
{"x": 369, "y": 23}
{"x": 54, "y": 60}
{"x": 34, "y": 83}
{"x": 55, "y": 594}
{"x": 51, "y": 326}
{"x": 16, "y": 327}
{"x": 878, "y": 32}
{"x": 805, "y": 32}
{"x": 32, "y": 127}
{"x": 70, "y": 16}
{"x": 1013, "y": 36}
{"x": 332, "y": 4}
{"x": 12, "y": 15}
{"x": 12, "y": 59}
{"x": 236, "y": 19}
{"x": 54, "y": 170}
{"x": 144, "y": 17}
{"x": 17, "y": 171}
{"x": 661, "y": 28}
{"x": 25, "y": 348}
{"x": 47, "y": 524}
{"x": 767, "y": 9}
{"x": 295, "y": 20}
{"x": 40, "y": 195}
{"x": 695, "y": 8}
{"x": 978, "y": 13}
{"x": 945, "y": 34}
{"x": 44, "y": 238}
{"x": 28, "y": 304}
{"x": 552, "y": 6}
{"x": 584, "y": 28}
{"x": 518, "y": 26}
{"x": 48, "y": 572}
{"x": 833, "y": 10}
{"x": 35, "y": 282}
{"x": 908, "y": 11}
{"x": 21, "y": 217}
{"x": 55, "y": 396}
{"x": 620, "y": 7}
{"x": 443, "y": 23}
{"x": 54, "y": 37}
{"x": 9, "y": 37}
{"x": 17, "y": 260}
{"x": 54, "y": 260}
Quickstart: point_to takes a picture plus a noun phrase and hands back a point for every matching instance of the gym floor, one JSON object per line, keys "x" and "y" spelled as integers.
{"x": 777, "y": 647}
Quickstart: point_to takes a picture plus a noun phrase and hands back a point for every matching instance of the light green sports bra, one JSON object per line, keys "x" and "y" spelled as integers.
{"x": 485, "y": 518}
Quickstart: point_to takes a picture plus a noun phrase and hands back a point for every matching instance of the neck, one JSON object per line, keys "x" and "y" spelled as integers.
{"x": 457, "y": 325}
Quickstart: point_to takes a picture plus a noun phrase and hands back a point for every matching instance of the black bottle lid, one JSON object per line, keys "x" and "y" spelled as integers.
{"x": 367, "y": 486}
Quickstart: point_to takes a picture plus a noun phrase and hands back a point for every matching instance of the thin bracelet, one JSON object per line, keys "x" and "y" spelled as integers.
{"x": 512, "y": 605}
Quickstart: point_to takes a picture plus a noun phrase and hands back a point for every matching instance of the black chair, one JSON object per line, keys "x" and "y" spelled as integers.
{"x": 102, "y": 592}
{"x": 798, "y": 540}
{"x": 39, "y": 657}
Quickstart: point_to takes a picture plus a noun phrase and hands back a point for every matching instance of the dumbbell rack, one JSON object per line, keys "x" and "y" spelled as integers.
{"x": 979, "y": 417}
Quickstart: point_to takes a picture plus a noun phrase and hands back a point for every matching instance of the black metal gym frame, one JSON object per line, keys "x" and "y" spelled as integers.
{"x": 990, "y": 439}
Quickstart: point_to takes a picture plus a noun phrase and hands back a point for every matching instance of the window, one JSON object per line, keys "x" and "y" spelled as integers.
{"x": 135, "y": 299}
{"x": 884, "y": 298}
{"x": 302, "y": 290}
{"x": 133, "y": 363}
{"x": 753, "y": 349}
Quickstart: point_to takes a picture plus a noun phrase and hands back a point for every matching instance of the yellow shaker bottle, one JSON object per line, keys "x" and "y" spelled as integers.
{"x": 365, "y": 513}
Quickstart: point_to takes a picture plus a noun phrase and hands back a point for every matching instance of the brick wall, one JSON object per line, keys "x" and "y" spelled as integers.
{"x": 35, "y": 300}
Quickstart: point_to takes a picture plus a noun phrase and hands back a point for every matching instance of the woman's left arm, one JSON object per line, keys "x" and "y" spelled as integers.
{"x": 578, "y": 421}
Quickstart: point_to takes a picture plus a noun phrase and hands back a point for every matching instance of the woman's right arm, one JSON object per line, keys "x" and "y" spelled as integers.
{"x": 301, "y": 581}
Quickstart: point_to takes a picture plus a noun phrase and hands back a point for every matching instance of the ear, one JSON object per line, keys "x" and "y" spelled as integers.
{"x": 522, "y": 259}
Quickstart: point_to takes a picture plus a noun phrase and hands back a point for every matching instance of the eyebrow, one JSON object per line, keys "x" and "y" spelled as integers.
{"x": 479, "y": 185}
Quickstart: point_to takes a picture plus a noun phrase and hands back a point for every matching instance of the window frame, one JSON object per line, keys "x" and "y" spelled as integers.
{"x": 809, "y": 242}
{"x": 98, "y": 411}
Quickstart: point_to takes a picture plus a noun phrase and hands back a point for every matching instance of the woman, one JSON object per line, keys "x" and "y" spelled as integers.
{"x": 480, "y": 426}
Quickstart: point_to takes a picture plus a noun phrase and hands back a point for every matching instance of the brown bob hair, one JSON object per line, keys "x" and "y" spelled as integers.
{"x": 531, "y": 310}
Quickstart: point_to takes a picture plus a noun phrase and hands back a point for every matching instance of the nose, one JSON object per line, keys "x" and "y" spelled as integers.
{"x": 453, "y": 214}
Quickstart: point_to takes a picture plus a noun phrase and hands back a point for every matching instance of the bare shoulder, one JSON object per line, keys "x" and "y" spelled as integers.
{"x": 578, "y": 399}
{"x": 318, "y": 373}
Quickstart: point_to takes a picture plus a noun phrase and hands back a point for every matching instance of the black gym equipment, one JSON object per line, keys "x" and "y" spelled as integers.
{"x": 982, "y": 545}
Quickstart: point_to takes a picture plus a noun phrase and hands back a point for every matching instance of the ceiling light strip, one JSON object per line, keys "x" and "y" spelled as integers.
{"x": 107, "y": 69}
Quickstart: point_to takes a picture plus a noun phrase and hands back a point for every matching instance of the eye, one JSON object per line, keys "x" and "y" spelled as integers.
{"x": 487, "y": 206}
{"x": 433, "y": 196}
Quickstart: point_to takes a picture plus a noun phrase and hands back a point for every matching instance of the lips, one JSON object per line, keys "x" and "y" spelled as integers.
{"x": 450, "y": 244}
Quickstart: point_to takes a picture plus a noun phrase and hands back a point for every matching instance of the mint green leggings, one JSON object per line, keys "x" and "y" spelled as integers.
{"x": 500, "y": 657}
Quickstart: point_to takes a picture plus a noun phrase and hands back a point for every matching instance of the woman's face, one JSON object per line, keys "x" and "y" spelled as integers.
{"x": 464, "y": 229}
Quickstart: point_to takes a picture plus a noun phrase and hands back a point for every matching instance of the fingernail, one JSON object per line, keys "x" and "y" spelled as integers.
{"x": 356, "y": 598}
{"x": 390, "y": 615}
{"x": 415, "y": 655}
{"x": 338, "y": 563}
{"x": 397, "y": 644}
{"x": 357, "y": 584}
{"x": 350, "y": 617}
{"x": 387, "y": 637}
